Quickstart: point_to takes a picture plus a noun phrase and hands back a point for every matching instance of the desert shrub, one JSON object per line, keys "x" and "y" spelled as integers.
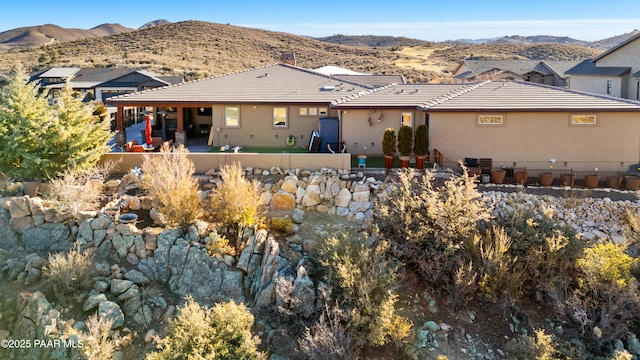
{"x": 464, "y": 284}
{"x": 9, "y": 187}
{"x": 172, "y": 185}
{"x": 538, "y": 347}
{"x": 427, "y": 225}
{"x": 236, "y": 201}
{"x": 605, "y": 302}
{"x": 218, "y": 245}
{"x": 96, "y": 343}
{"x": 77, "y": 191}
{"x": 220, "y": 332}
{"x": 329, "y": 338}
{"x": 283, "y": 225}
{"x": 69, "y": 272}
{"x": 545, "y": 251}
{"x": 499, "y": 278}
{"x": 363, "y": 277}
{"x": 632, "y": 228}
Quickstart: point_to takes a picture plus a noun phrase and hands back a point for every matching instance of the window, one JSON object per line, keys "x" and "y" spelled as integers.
{"x": 313, "y": 111}
{"x": 608, "y": 87}
{"x": 279, "y": 117}
{"x": 584, "y": 119}
{"x": 490, "y": 119}
{"x": 322, "y": 111}
{"x": 302, "y": 111}
{"x": 407, "y": 119}
{"x": 231, "y": 117}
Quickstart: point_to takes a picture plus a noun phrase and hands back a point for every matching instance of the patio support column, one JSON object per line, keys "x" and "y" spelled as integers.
{"x": 181, "y": 135}
{"x": 121, "y": 134}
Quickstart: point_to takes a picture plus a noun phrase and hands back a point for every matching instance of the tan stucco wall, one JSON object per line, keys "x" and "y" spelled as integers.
{"x": 531, "y": 139}
{"x": 256, "y": 126}
{"x": 204, "y": 161}
{"x": 358, "y": 133}
{"x": 625, "y": 56}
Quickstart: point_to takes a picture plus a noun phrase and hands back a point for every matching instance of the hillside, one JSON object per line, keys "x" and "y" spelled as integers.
{"x": 196, "y": 49}
{"x": 374, "y": 41}
{"x": 47, "y": 34}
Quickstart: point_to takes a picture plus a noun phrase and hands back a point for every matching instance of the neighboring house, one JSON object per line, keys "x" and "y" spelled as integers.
{"x": 100, "y": 83}
{"x": 548, "y": 72}
{"x": 514, "y": 123}
{"x": 616, "y": 72}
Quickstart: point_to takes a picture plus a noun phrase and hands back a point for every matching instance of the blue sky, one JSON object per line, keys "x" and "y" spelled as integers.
{"x": 427, "y": 19}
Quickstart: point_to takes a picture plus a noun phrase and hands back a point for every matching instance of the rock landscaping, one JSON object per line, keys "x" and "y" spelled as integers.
{"x": 130, "y": 261}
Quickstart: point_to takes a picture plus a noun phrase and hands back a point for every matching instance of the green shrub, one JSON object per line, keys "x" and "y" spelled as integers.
{"x": 605, "y": 302}
{"x": 173, "y": 186}
{"x": 39, "y": 141}
{"x": 405, "y": 140}
{"x": 363, "y": 277}
{"x": 236, "y": 202}
{"x": 498, "y": 276}
{"x": 421, "y": 141}
{"x": 539, "y": 347}
{"x": 606, "y": 265}
{"x": 218, "y": 245}
{"x": 389, "y": 142}
{"x": 283, "y": 225}
{"x": 96, "y": 344}
{"x": 69, "y": 273}
{"x": 220, "y": 332}
{"x": 428, "y": 226}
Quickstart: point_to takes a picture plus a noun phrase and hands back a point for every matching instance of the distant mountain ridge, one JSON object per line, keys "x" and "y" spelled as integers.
{"x": 50, "y": 33}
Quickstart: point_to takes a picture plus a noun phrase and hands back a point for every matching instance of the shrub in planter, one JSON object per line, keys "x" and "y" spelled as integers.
{"x": 591, "y": 180}
{"x": 389, "y": 146}
{"x": 421, "y": 145}
{"x": 405, "y": 144}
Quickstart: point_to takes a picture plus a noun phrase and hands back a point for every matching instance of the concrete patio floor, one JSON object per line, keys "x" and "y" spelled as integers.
{"x": 195, "y": 144}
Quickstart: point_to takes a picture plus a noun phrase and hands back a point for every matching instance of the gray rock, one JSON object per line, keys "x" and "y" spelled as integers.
{"x": 131, "y": 306}
{"x": 8, "y": 237}
{"x": 633, "y": 344}
{"x": 48, "y": 237}
{"x": 100, "y": 286}
{"x": 136, "y": 277}
{"x": 102, "y": 222}
{"x": 432, "y": 326}
{"x": 119, "y": 286}
{"x": 93, "y": 301}
{"x": 104, "y": 250}
{"x": 111, "y": 311}
{"x": 130, "y": 293}
{"x": 298, "y": 216}
{"x": 85, "y": 231}
{"x": 164, "y": 242}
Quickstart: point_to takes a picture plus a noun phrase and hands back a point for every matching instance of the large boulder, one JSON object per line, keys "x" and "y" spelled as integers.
{"x": 282, "y": 201}
{"x": 111, "y": 311}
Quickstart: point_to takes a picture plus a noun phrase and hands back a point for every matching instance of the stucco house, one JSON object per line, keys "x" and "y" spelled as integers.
{"x": 548, "y": 72}
{"x": 514, "y": 123}
{"x": 616, "y": 72}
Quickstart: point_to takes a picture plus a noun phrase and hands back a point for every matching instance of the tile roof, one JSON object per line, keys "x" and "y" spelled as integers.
{"x": 588, "y": 67}
{"x": 519, "y": 67}
{"x": 372, "y": 80}
{"x": 398, "y": 96}
{"x": 274, "y": 83}
{"x": 59, "y": 72}
{"x": 527, "y": 96}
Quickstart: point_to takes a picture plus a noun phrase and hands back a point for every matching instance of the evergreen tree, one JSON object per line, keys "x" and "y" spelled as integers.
{"x": 39, "y": 141}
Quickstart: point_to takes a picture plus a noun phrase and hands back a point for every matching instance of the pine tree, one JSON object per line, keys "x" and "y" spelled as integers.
{"x": 39, "y": 141}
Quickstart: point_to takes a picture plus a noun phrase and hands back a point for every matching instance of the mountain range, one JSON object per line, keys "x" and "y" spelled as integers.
{"x": 196, "y": 49}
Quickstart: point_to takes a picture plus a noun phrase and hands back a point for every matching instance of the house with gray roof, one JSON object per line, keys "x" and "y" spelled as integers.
{"x": 514, "y": 123}
{"x": 615, "y": 72}
{"x": 100, "y": 83}
{"x": 548, "y": 72}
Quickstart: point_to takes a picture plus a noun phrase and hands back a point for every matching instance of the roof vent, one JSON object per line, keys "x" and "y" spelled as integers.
{"x": 328, "y": 87}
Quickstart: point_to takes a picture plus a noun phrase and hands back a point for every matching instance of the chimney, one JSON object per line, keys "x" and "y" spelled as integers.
{"x": 289, "y": 59}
